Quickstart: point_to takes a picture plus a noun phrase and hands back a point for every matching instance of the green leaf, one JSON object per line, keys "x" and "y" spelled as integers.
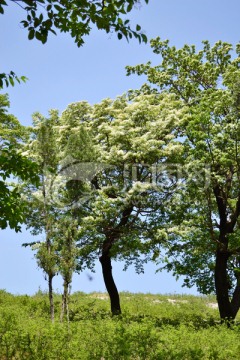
{"x": 48, "y": 24}
{"x": 31, "y": 34}
{"x": 24, "y": 78}
{"x": 11, "y": 80}
{"x": 38, "y": 35}
{"x": 120, "y": 22}
{"x": 44, "y": 39}
{"x": 129, "y": 7}
{"x": 144, "y": 38}
{"x": 25, "y": 23}
{"x": 58, "y": 8}
{"x": 36, "y": 23}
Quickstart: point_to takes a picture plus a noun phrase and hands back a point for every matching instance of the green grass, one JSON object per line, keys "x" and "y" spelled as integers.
{"x": 151, "y": 327}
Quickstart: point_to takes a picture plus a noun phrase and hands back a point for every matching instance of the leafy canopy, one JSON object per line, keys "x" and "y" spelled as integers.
{"x": 77, "y": 18}
{"x": 12, "y": 163}
{"x": 205, "y": 213}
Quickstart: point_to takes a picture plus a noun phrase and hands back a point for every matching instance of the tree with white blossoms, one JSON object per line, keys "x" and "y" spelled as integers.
{"x": 41, "y": 17}
{"x": 116, "y": 190}
{"x": 133, "y": 138}
{"x": 204, "y": 218}
{"x": 116, "y": 149}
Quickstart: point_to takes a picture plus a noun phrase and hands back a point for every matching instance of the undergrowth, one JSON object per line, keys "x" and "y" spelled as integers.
{"x": 168, "y": 327}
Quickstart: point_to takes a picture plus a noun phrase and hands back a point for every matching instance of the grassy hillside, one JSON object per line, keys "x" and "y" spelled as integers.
{"x": 151, "y": 327}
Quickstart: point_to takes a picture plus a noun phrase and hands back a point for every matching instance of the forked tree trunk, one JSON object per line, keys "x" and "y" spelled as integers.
{"x": 228, "y": 309}
{"x": 65, "y": 298}
{"x": 105, "y": 260}
{"x": 236, "y": 299}
{"x": 50, "y": 294}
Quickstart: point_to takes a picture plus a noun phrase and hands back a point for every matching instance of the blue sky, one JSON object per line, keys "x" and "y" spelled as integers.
{"x": 60, "y": 73}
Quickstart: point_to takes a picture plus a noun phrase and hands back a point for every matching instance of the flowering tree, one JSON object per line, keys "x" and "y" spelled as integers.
{"x": 128, "y": 140}
{"x": 204, "y": 220}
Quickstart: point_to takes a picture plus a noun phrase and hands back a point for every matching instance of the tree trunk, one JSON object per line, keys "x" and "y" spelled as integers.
{"x": 222, "y": 286}
{"x": 105, "y": 260}
{"x": 235, "y": 303}
{"x": 110, "y": 284}
{"x": 50, "y": 294}
{"x": 65, "y": 300}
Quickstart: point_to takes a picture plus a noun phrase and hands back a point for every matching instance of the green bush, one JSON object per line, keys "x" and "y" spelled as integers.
{"x": 151, "y": 327}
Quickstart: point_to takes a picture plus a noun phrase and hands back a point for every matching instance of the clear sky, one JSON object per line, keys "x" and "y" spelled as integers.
{"x": 60, "y": 73}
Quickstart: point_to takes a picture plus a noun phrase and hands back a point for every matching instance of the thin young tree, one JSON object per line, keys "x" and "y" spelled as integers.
{"x": 42, "y": 215}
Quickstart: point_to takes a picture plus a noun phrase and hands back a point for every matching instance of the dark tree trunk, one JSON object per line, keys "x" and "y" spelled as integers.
{"x": 110, "y": 284}
{"x": 235, "y": 303}
{"x": 111, "y": 237}
{"x": 50, "y": 294}
{"x": 222, "y": 286}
